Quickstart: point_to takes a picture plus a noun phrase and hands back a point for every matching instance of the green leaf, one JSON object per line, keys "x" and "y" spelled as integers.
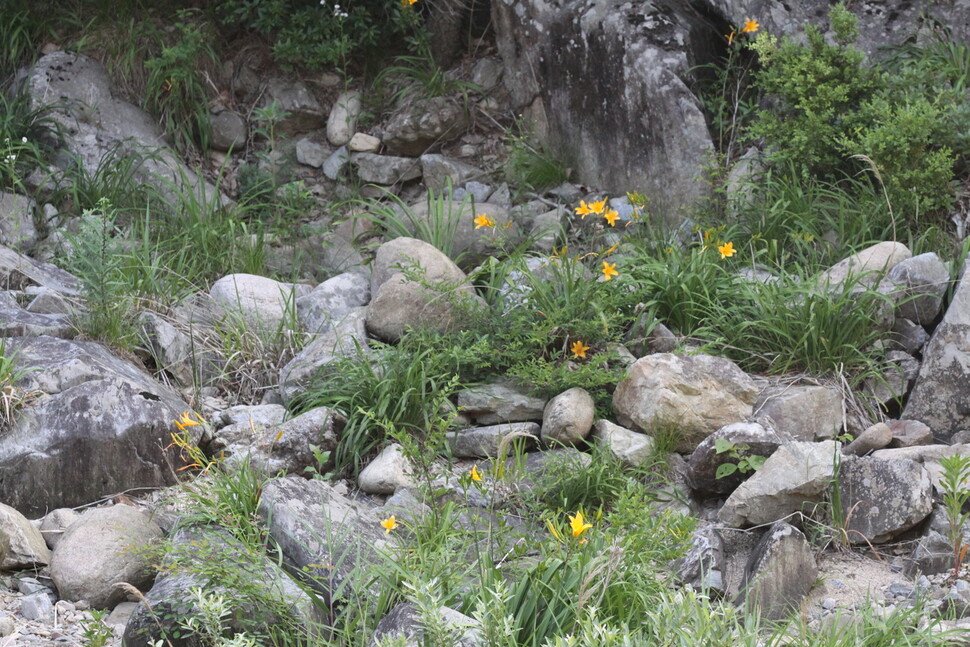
{"x": 725, "y": 469}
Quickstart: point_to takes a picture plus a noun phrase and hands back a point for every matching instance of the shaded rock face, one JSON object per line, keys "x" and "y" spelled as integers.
{"x": 605, "y": 88}
{"x": 99, "y": 429}
{"x": 940, "y": 398}
{"x": 780, "y": 572}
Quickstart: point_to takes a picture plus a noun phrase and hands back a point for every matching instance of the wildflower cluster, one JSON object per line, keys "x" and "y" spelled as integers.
{"x": 598, "y": 208}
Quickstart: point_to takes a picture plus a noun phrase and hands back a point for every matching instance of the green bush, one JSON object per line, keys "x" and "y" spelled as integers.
{"x": 315, "y": 35}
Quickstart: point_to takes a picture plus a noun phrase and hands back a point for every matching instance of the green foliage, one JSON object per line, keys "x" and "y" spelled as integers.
{"x": 744, "y": 462}
{"x": 96, "y": 633}
{"x": 830, "y": 108}
{"x": 396, "y": 219}
{"x": 96, "y": 258}
{"x": 418, "y": 76}
{"x": 316, "y": 35}
{"x": 26, "y": 135}
{"x": 530, "y": 165}
{"x": 956, "y": 493}
{"x": 175, "y": 91}
{"x": 817, "y": 87}
{"x": 397, "y": 395}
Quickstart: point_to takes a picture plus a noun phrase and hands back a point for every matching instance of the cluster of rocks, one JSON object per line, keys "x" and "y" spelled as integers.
{"x": 90, "y": 426}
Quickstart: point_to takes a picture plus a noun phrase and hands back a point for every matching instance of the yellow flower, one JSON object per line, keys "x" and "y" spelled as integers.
{"x": 408, "y": 3}
{"x": 583, "y": 209}
{"x": 474, "y": 473}
{"x": 579, "y": 349}
{"x": 611, "y": 249}
{"x": 750, "y": 26}
{"x": 389, "y": 524}
{"x": 186, "y": 421}
{"x": 577, "y": 525}
{"x": 598, "y": 207}
{"x": 561, "y": 252}
{"x": 609, "y": 271}
{"x": 727, "y": 249}
{"x": 611, "y": 217}
{"x": 482, "y": 220}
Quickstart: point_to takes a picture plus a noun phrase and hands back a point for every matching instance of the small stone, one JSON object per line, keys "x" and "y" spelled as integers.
{"x": 364, "y": 143}
{"x": 310, "y": 153}
{"x": 829, "y": 603}
{"x": 36, "y": 606}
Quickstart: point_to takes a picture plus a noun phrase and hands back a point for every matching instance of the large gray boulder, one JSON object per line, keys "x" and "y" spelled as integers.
{"x": 568, "y": 417}
{"x": 100, "y": 429}
{"x": 608, "y": 89}
{"x": 883, "y": 498}
{"x": 102, "y": 548}
{"x": 18, "y": 272}
{"x": 265, "y": 305}
{"x": 698, "y": 394}
{"x": 400, "y": 302}
{"x": 17, "y": 322}
{"x": 332, "y": 300}
{"x": 323, "y": 537}
{"x": 940, "y": 398}
{"x": 95, "y": 123}
{"x": 485, "y": 442}
{"x": 260, "y": 596}
{"x": 419, "y": 124}
{"x": 796, "y": 476}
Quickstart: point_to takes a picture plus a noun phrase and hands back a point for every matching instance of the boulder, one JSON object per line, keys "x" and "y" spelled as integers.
{"x": 417, "y": 125}
{"x": 104, "y": 547}
{"x": 909, "y": 433}
{"x": 402, "y": 253}
{"x": 932, "y": 554}
{"x": 310, "y": 153}
{"x": 96, "y": 125}
{"x": 100, "y": 429}
{"x": 401, "y": 304}
{"x": 347, "y": 338}
{"x": 796, "y": 476}
{"x": 940, "y": 398}
{"x": 805, "y": 412}
{"x": 323, "y": 536}
{"x": 21, "y": 542}
{"x": 404, "y": 623}
{"x": 780, "y": 572}
{"x": 55, "y": 522}
{"x": 867, "y": 266}
{"x": 300, "y": 110}
{"x": 490, "y": 404}
{"x": 18, "y": 272}
{"x": 228, "y": 131}
{"x": 923, "y": 281}
{"x": 439, "y": 172}
{"x": 176, "y": 352}
{"x": 697, "y": 393}
{"x": 387, "y": 473}
{"x": 260, "y": 596}
{"x": 485, "y": 442}
{"x": 748, "y": 439}
{"x": 883, "y": 498}
{"x": 263, "y": 304}
{"x": 568, "y": 418}
{"x": 385, "y": 169}
{"x": 639, "y": 125}
{"x": 332, "y": 300}
{"x": 629, "y": 447}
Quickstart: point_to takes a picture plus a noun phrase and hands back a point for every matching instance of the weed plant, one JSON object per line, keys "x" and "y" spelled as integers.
{"x": 530, "y": 165}
{"x": 956, "y": 493}
{"x": 175, "y": 91}
{"x": 27, "y": 134}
